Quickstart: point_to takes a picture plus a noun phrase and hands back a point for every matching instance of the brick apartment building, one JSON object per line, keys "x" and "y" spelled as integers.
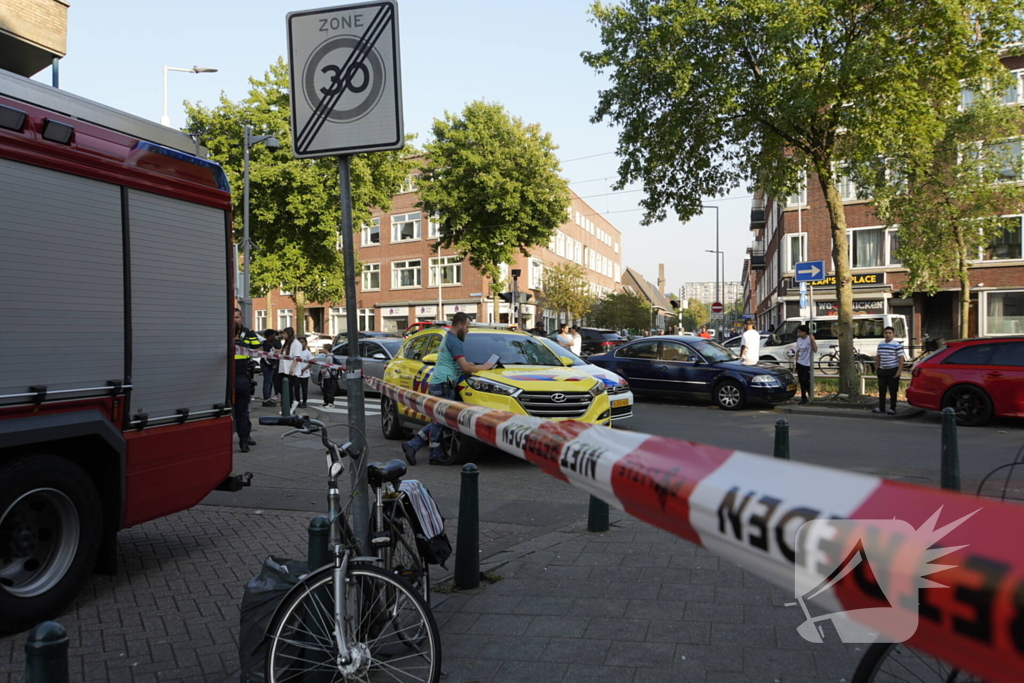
{"x": 403, "y": 280}
{"x": 33, "y": 35}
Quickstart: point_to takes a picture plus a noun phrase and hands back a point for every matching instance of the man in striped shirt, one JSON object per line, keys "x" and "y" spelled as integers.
{"x": 889, "y": 367}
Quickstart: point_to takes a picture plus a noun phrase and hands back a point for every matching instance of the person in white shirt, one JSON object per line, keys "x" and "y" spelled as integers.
{"x": 564, "y": 337}
{"x": 751, "y": 345}
{"x": 577, "y": 341}
{"x": 303, "y": 371}
{"x": 806, "y": 347}
{"x": 292, "y": 348}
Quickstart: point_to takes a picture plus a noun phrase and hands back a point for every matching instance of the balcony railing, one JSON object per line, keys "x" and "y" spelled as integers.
{"x": 757, "y": 210}
{"x": 756, "y": 251}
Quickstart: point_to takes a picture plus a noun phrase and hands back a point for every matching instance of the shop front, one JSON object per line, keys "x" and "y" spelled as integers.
{"x": 394, "y": 319}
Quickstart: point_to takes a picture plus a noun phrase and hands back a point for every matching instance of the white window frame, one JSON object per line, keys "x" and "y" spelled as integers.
{"x": 801, "y": 196}
{"x": 536, "y": 274}
{"x": 889, "y": 252}
{"x": 802, "y": 236}
{"x": 336, "y": 317}
{"x": 398, "y": 267}
{"x": 883, "y": 255}
{"x": 367, "y": 315}
{"x": 409, "y": 184}
{"x": 369, "y": 270}
{"x": 983, "y": 323}
{"x": 400, "y": 219}
{"x": 285, "y": 318}
{"x": 434, "y": 227}
{"x": 981, "y": 250}
{"x": 260, "y": 319}
{"x": 444, "y": 262}
{"x": 368, "y": 232}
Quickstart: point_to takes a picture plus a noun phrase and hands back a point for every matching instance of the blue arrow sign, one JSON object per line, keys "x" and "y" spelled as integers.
{"x": 809, "y": 271}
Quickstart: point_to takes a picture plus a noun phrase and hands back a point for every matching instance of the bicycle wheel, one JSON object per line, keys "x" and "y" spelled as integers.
{"x": 405, "y": 558}
{"x": 897, "y": 663}
{"x": 829, "y": 364}
{"x": 379, "y": 608}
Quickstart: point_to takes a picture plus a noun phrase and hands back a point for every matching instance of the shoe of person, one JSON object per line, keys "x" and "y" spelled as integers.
{"x": 251, "y": 442}
{"x": 243, "y": 446}
{"x": 803, "y": 402}
{"x": 268, "y": 403}
{"x": 410, "y": 453}
{"x": 442, "y": 461}
{"x": 877, "y": 411}
{"x": 890, "y": 412}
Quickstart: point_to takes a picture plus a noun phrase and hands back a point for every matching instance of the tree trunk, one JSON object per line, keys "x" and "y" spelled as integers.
{"x": 495, "y": 300}
{"x": 848, "y": 380}
{"x": 965, "y": 285}
{"x": 300, "y": 312}
{"x": 271, "y": 323}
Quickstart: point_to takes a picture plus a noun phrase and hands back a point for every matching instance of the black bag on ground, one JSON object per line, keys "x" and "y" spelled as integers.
{"x": 262, "y": 595}
{"x": 423, "y": 511}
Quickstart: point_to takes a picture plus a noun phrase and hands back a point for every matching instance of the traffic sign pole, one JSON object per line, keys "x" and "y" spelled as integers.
{"x": 810, "y": 289}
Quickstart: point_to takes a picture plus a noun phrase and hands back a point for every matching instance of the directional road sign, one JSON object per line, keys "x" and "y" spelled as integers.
{"x": 809, "y": 271}
{"x": 346, "y": 86}
{"x": 717, "y": 307}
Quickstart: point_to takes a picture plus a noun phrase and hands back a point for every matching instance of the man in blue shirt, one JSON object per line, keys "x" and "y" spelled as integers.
{"x": 889, "y": 364}
{"x": 451, "y": 364}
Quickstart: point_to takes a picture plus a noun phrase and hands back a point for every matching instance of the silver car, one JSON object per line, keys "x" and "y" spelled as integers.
{"x": 375, "y": 354}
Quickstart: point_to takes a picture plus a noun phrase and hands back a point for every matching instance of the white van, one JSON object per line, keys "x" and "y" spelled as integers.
{"x": 780, "y": 346}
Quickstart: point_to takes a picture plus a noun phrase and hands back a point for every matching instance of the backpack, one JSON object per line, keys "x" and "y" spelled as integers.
{"x": 428, "y": 523}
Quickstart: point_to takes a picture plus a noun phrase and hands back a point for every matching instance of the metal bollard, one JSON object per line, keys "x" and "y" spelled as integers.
{"x": 950, "y": 465}
{"x": 46, "y": 654}
{"x": 467, "y": 544}
{"x": 597, "y": 516}
{"x": 782, "y": 439}
{"x": 317, "y": 554}
{"x": 286, "y": 397}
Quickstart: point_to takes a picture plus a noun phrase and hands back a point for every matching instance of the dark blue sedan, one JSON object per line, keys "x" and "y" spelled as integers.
{"x": 696, "y": 368}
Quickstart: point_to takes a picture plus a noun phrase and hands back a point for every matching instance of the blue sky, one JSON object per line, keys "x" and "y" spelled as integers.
{"x": 524, "y": 55}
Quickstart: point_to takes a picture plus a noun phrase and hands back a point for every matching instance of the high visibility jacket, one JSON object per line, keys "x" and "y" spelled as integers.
{"x": 246, "y": 339}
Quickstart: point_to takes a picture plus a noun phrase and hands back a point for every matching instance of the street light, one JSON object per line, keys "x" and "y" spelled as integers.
{"x": 166, "y": 120}
{"x": 718, "y": 282}
{"x": 273, "y": 144}
{"x": 717, "y": 261}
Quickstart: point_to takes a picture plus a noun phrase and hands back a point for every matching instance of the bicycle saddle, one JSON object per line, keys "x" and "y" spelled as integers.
{"x": 377, "y": 474}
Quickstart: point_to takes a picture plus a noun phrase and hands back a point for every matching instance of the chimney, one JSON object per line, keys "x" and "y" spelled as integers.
{"x": 661, "y": 278}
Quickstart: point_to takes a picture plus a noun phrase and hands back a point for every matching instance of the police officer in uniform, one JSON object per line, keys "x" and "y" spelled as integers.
{"x": 247, "y": 339}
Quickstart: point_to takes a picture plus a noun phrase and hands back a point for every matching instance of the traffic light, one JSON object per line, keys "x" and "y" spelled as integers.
{"x": 509, "y": 297}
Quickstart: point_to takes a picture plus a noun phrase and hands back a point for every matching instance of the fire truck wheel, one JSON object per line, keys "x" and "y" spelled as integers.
{"x": 50, "y": 529}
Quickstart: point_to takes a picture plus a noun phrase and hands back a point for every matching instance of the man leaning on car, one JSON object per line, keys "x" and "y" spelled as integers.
{"x": 451, "y": 363}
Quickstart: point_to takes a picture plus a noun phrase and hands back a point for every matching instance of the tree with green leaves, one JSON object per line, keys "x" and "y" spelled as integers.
{"x": 620, "y": 310}
{"x": 565, "y": 290}
{"x": 493, "y": 182}
{"x": 295, "y": 213}
{"x": 946, "y": 199}
{"x": 709, "y": 96}
{"x": 695, "y": 315}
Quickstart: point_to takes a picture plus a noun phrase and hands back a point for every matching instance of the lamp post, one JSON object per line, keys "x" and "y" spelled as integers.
{"x": 166, "y": 120}
{"x": 718, "y": 286}
{"x": 273, "y": 144}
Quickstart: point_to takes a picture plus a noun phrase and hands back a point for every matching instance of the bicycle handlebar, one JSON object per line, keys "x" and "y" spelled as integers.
{"x": 296, "y": 421}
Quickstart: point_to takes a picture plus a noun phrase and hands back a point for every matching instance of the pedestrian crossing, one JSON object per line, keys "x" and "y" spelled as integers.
{"x": 341, "y": 406}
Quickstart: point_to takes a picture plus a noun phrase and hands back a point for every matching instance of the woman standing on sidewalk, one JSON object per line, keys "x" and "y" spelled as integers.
{"x": 292, "y": 348}
{"x": 303, "y": 373}
{"x": 806, "y": 347}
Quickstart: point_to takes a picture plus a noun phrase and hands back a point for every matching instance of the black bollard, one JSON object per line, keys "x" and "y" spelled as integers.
{"x": 950, "y": 464}
{"x": 317, "y": 554}
{"x": 782, "y": 439}
{"x": 286, "y": 396}
{"x": 597, "y": 516}
{"x": 46, "y": 654}
{"x": 467, "y": 544}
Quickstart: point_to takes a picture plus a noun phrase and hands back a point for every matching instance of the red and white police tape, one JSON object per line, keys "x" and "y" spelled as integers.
{"x": 275, "y": 355}
{"x": 747, "y": 508}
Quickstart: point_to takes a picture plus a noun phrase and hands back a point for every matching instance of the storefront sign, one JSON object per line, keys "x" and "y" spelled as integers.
{"x": 422, "y": 311}
{"x": 831, "y": 308}
{"x": 396, "y": 312}
{"x": 858, "y": 279}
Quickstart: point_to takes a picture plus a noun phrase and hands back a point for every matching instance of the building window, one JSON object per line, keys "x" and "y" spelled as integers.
{"x": 338, "y": 320}
{"x": 285, "y": 318}
{"x": 1005, "y": 245}
{"x": 371, "y": 276}
{"x": 1004, "y": 312}
{"x": 1008, "y": 154}
{"x": 448, "y": 268}
{"x": 1012, "y": 94}
{"x": 434, "y": 227}
{"x": 406, "y": 274}
{"x": 367, "y": 320}
{"x": 410, "y": 183}
{"x": 536, "y": 274}
{"x": 796, "y": 250}
{"x": 371, "y": 233}
{"x": 406, "y": 227}
{"x": 800, "y": 198}
{"x": 618, "y": 273}
{"x": 866, "y": 248}
{"x": 261, "y": 320}
{"x": 616, "y": 247}
{"x": 894, "y": 244}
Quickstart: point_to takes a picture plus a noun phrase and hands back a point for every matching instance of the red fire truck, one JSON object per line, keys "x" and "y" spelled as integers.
{"x": 116, "y": 365}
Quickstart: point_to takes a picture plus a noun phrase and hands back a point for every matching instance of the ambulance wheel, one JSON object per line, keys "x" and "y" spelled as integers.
{"x": 389, "y": 422}
{"x": 50, "y": 530}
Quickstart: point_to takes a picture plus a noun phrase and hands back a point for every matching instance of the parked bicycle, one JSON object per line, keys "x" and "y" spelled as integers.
{"x": 828, "y": 363}
{"x": 351, "y": 620}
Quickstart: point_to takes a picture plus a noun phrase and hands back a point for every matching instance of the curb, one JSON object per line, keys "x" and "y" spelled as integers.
{"x": 859, "y": 413}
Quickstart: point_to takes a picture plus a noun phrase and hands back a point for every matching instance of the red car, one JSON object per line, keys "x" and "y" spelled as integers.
{"x": 978, "y": 378}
